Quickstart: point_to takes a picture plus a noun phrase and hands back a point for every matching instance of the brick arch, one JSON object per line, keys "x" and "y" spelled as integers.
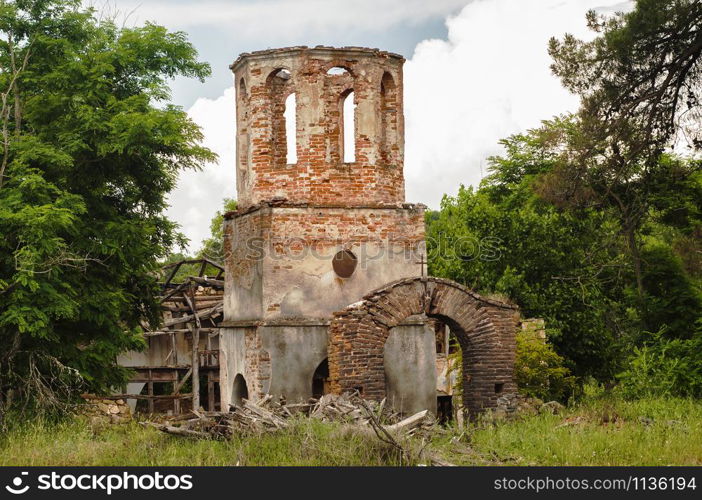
{"x": 338, "y": 63}
{"x": 485, "y": 330}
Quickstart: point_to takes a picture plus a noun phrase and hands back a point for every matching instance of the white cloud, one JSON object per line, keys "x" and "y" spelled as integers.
{"x": 266, "y": 19}
{"x": 488, "y": 80}
{"x": 199, "y": 194}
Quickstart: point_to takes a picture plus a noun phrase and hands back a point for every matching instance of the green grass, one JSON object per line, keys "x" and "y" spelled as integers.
{"x": 73, "y": 443}
{"x": 600, "y": 431}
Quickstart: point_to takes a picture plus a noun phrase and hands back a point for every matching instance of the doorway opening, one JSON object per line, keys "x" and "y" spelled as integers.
{"x": 444, "y": 408}
{"x": 239, "y": 390}
{"x": 320, "y": 380}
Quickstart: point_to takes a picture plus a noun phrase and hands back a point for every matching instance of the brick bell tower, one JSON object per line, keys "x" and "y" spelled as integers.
{"x": 322, "y": 218}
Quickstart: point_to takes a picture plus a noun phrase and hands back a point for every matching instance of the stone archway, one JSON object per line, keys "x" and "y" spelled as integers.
{"x": 485, "y": 330}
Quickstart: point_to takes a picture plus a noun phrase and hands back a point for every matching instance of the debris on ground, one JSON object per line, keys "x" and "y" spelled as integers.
{"x": 268, "y": 415}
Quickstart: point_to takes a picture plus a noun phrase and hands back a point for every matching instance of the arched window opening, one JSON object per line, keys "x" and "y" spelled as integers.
{"x": 279, "y": 85}
{"x": 242, "y": 117}
{"x": 337, "y": 70}
{"x": 239, "y": 390}
{"x": 348, "y": 117}
{"x": 242, "y": 88}
{"x": 388, "y": 119}
{"x": 290, "y": 116}
{"x": 320, "y": 380}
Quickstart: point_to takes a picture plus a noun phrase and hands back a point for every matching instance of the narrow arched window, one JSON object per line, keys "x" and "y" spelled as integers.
{"x": 279, "y": 83}
{"x": 388, "y": 120}
{"x": 242, "y": 89}
{"x": 291, "y": 128}
{"x": 349, "y": 128}
{"x": 242, "y": 118}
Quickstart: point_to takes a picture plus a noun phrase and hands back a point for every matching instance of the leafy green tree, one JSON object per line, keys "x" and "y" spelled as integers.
{"x": 639, "y": 83}
{"x": 90, "y": 149}
{"x": 589, "y": 221}
{"x": 570, "y": 264}
{"x": 673, "y": 301}
{"x": 555, "y": 264}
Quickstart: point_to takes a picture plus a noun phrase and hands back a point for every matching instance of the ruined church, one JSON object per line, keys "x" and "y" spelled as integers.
{"x": 324, "y": 287}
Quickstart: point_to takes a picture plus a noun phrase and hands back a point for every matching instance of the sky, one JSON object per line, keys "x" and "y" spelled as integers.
{"x": 477, "y": 71}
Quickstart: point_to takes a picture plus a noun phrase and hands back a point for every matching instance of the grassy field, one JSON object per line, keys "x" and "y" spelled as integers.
{"x": 601, "y": 431}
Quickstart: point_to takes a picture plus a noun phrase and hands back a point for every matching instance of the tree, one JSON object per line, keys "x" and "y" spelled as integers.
{"x": 570, "y": 264}
{"x": 558, "y": 265}
{"x": 590, "y": 221}
{"x": 639, "y": 83}
{"x": 90, "y": 149}
{"x": 640, "y": 79}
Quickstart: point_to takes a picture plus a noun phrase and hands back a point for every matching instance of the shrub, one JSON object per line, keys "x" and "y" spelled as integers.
{"x": 539, "y": 371}
{"x": 665, "y": 367}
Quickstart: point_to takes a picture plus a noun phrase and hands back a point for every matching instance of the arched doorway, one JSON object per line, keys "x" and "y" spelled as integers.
{"x": 240, "y": 391}
{"x": 320, "y": 380}
{"x": 485, "y": 330}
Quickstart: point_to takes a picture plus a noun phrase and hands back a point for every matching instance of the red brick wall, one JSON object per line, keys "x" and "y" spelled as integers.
{"x": 258, "y": 364}
{"x": 281, "y": 244}
{"x": 485, "y": 329}
{"x": 320, "y": 175}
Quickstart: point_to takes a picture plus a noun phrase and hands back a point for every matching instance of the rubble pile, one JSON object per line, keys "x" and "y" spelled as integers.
{"x": 268, "y": 415}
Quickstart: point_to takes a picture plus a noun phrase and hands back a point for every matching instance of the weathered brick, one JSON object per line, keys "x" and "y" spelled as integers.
{"x": 488, "y": 357}
{"x": 321, "y": 204}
